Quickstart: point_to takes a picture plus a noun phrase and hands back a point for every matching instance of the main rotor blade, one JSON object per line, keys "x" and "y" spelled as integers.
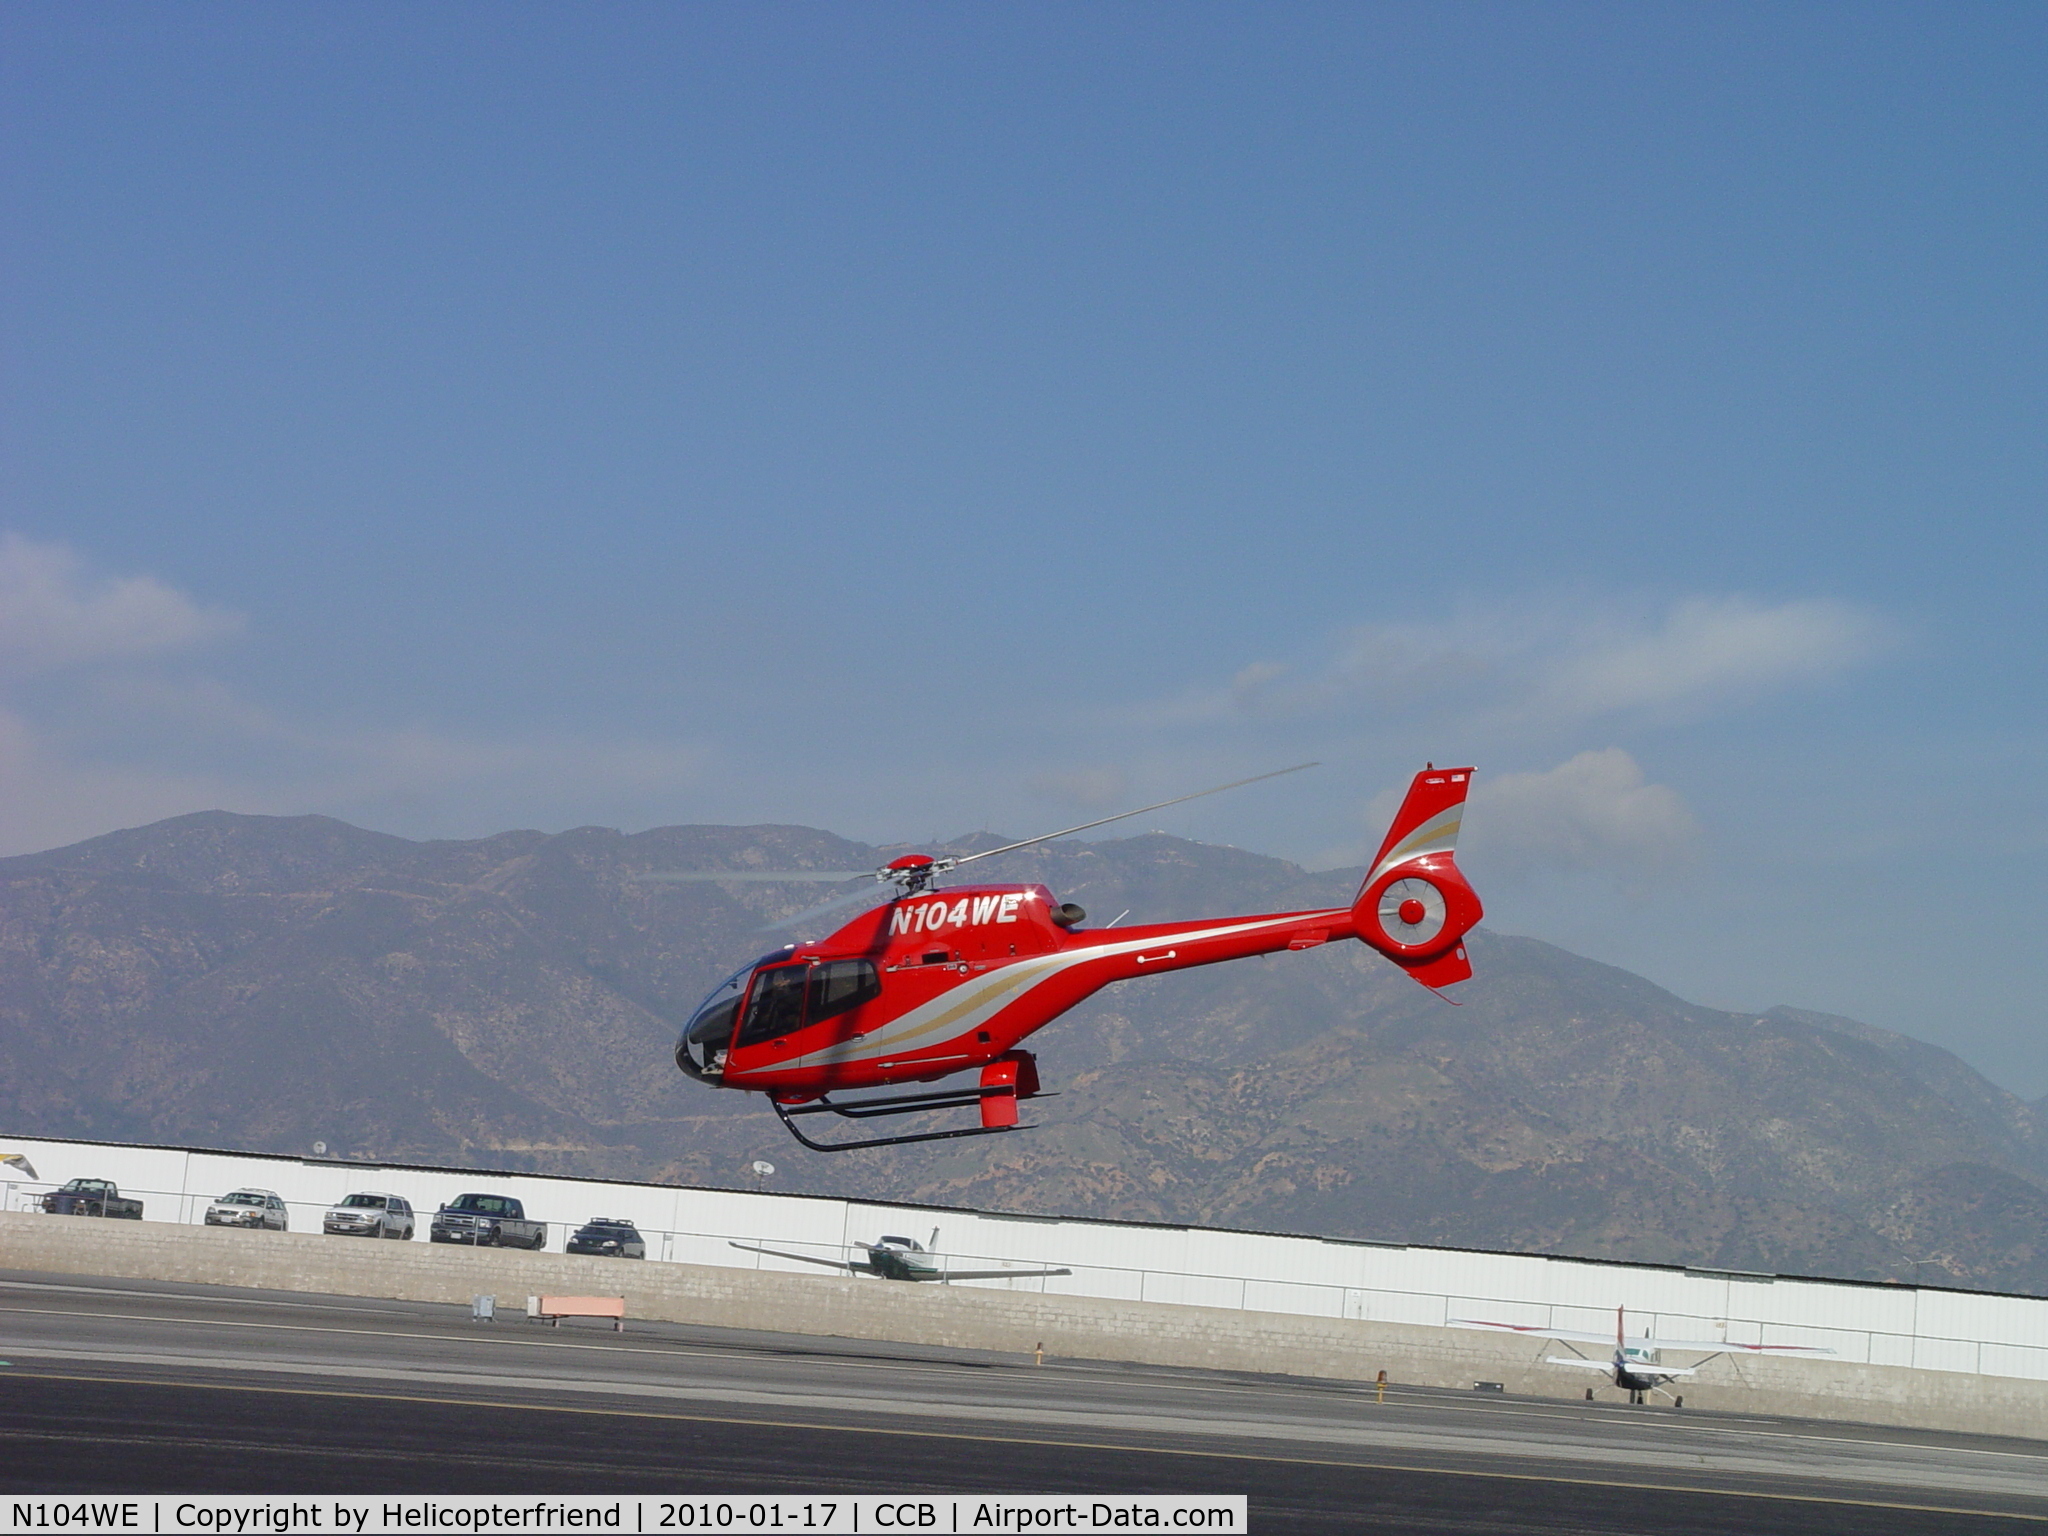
{"x": 772, "y": 876}
{"x": 1123, "y": 815}
{"x": 869, "y": 894}
{"x": 837, "y": 876}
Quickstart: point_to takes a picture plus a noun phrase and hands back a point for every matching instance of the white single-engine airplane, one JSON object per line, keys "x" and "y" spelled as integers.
{"x": 1634, "y": 1364}
{"x": 904, "y": 1258}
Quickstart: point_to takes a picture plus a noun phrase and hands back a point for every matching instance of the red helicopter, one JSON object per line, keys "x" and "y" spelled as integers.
{"x": 937, "y": 982}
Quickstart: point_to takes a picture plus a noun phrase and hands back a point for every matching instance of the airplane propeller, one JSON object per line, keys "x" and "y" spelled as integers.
{"x": 915, "y": 872}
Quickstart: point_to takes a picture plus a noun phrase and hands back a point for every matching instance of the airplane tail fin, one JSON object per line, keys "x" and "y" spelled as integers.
{"x": 1415, "y": 907}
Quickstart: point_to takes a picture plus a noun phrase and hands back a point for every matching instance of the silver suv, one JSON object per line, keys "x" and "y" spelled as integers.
{"x": 249, "y": 1208}
{"x": 370, "y": 1215}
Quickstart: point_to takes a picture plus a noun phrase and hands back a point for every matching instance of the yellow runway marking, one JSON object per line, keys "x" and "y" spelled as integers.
{"x": 1019, "y": 1440}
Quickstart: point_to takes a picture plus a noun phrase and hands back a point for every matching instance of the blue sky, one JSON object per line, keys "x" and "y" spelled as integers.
{"x": 909, "y": 419}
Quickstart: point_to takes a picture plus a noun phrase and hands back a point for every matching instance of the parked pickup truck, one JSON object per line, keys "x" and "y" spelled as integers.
{"x": 91, "y": 1197}
{"x": 488, "y": 1221}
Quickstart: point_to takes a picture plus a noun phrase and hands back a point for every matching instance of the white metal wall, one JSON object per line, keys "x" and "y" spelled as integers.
{"x": 1941, "y": 1330}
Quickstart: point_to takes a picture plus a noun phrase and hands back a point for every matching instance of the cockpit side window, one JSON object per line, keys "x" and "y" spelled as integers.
{"x": 776, "y": 1006}
{"x": 712, "y": 1023}
{"x": 839, "y": 985}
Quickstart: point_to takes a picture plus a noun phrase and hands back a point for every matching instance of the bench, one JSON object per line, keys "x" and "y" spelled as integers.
{"x": 554, "y": 1308}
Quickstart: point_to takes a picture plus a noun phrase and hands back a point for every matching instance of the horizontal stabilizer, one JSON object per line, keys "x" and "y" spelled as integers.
{"x": 1633, "y": 1367}
{"x": 1605, "y": 1367}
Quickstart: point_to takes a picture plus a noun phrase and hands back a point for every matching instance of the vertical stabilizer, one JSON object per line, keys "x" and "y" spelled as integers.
{"x": 1415, "y": 906}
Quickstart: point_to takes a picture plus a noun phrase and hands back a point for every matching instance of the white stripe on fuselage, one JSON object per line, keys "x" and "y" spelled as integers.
{"x": 973, "y": 1003}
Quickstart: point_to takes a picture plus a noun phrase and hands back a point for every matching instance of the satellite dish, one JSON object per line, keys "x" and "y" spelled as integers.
{"x": 319, "y": 1149}
{"x": 764, "y": 1169}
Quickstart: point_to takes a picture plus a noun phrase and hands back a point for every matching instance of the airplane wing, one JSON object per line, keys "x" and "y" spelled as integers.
{"x": 998, "y": 1274}
{"x": 1566, "y": 1335}
{"x": 1603, "y": 1366}
{"x": 805, "y": 1258}
{"x": 1719, "y": 1346}
{"x": 1703, "y": 1346}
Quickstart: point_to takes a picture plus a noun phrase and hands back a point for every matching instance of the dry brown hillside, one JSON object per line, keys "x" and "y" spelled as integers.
{"x": 263, "y": 983}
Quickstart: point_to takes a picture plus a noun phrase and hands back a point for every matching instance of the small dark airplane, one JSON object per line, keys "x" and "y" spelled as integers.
{"x": 904, "y": 1258}
{"x": 933, "y": 983}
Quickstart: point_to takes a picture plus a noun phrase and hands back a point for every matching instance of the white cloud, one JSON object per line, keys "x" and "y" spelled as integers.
{"x": 1704, "y": 652}
{"x": 127, "y": 739}
{"x": 56, "y": 614}
{"x": 1546, "y": 668}
{"x": 1594, "y": 812}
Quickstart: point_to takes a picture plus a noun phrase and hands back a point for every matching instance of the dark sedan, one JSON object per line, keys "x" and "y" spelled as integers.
{"x": 609, "y": 1239}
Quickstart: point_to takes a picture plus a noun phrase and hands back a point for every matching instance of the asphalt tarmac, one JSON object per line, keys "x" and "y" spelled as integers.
{"x": 147, "y": 1387}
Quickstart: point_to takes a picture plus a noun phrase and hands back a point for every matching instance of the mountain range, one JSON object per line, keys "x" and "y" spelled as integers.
{"x": 266, "y": 983}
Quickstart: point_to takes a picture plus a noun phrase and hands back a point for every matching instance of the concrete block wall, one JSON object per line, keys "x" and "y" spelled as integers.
{"x": 1942, "y": 1330}
{"x": 1068, "y": 1327}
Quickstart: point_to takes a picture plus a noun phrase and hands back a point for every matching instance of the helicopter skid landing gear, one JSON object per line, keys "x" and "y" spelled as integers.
{"x": 909, "y": 1104}
{"x": 1009, "y": 1078}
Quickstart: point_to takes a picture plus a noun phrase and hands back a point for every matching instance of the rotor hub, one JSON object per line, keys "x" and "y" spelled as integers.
{"x": 914, "y": 872}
